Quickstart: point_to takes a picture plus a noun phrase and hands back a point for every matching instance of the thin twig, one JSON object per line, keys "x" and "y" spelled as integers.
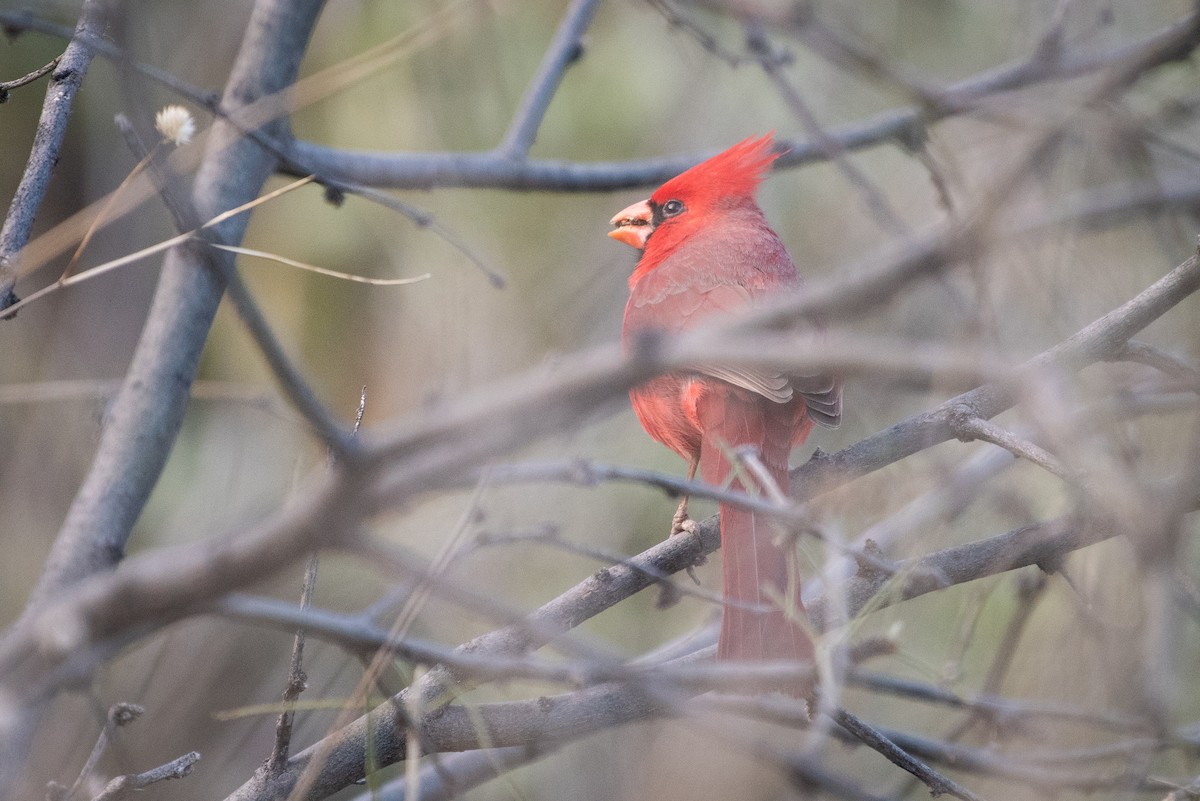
{"x": 68, "y": 72}
{"x": 486, "y": 170}
{"x": 101, "y": 216}
{"x": 995, "y": 708}
{"x": 118, "y": 715}
{"x": 125, "y": 786}
{"x": 1167, "y": 363}
{"x": 564, "y": 50}
{"x": 830, "y": 147}
{"x": 17, "y": 83}
{"x": 427, "y": 221}
{"x": 748, "y": 456}
{"x": 872, "y": 737}
{"x": 189, "y": 222}
{"x": 1092, "y": 343}
{"x": 297, "y": 679}
{"x": 973, "y": 428}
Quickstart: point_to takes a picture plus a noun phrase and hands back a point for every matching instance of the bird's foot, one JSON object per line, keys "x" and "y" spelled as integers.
{"x": 679, "y": 520}
{"x": 682, "y": 524}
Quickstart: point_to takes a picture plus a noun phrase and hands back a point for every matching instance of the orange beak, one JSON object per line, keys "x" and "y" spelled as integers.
{"x": 633, "y": 224}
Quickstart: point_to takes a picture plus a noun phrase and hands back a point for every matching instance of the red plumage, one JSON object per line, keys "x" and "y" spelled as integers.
{"x": 708, "y": 251}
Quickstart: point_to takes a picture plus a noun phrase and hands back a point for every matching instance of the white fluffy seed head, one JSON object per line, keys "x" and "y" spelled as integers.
{"x": 176, "y": 125}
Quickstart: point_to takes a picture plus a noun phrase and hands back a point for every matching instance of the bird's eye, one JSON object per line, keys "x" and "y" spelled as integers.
{"x": 672, "y": 207}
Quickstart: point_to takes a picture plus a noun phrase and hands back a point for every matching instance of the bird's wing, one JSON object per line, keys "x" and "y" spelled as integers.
{"x": 676, "y": 307}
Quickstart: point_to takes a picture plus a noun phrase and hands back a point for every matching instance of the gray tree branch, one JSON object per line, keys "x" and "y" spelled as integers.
{"x": 147, "y": 412}
{"x": 47, "y": 144}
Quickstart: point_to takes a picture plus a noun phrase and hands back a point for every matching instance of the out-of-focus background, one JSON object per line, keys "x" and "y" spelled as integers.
{"x": 645, "y": 85}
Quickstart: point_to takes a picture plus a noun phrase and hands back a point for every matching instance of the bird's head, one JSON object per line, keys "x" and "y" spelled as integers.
{"x": 695, "y": 198}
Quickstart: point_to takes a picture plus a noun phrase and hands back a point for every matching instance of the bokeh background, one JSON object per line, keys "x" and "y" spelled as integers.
{"x": 643, "y": 87}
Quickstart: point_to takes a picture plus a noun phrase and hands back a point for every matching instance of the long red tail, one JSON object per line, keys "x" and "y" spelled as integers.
{"x": 755, "y": 561}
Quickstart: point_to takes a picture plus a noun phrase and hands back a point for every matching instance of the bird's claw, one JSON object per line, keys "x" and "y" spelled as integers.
{"x": 682, "y": 524}
{"x": 679, "y": 521}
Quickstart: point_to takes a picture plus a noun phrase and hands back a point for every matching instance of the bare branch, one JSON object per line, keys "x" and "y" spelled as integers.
{"x": 1003, "y": 712}
{"x": 69, "y": 70}
{"x": 297, "y": 681}
{"x": 564, "y": 50}
{"x": 125, "y": 786}
{"x": 484, "y": 170}
{"x": 1093, "y": 343}
{"x": 454, "y": 774}
{"x": 212, "y": 250}
{"x": 973, "y": 428}
{"x": 869, "y": 735}
{"x": 832, "y": 150}
{"x": 1183, "y": 371}
{"x": 17, "y": 83}
{"x": 164, "y": 584}
{"x": 118, "y": 715}
{"x": 1011, "y": 176}
{"x": 147, "y": 413}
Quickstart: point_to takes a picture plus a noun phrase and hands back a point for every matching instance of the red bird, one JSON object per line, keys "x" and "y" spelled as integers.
{"x": 707, "y": 252}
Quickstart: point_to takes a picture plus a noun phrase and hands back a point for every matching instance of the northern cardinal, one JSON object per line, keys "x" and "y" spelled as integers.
{"x": 707, "y": 251}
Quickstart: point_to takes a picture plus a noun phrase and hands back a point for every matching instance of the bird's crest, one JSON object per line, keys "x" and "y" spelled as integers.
{"x": 732, "y": 173}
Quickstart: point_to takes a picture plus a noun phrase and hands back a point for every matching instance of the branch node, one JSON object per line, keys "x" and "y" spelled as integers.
{"x": 873, "y": 565}
{"x": 962, "y": 418}
{"x": 819, "y": 454}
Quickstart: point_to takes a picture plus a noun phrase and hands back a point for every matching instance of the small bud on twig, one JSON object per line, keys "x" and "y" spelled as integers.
{"x": 175, "y": 123}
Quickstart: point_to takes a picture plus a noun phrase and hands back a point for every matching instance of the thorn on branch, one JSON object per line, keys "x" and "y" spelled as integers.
{"x": 1046, "y": 567}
